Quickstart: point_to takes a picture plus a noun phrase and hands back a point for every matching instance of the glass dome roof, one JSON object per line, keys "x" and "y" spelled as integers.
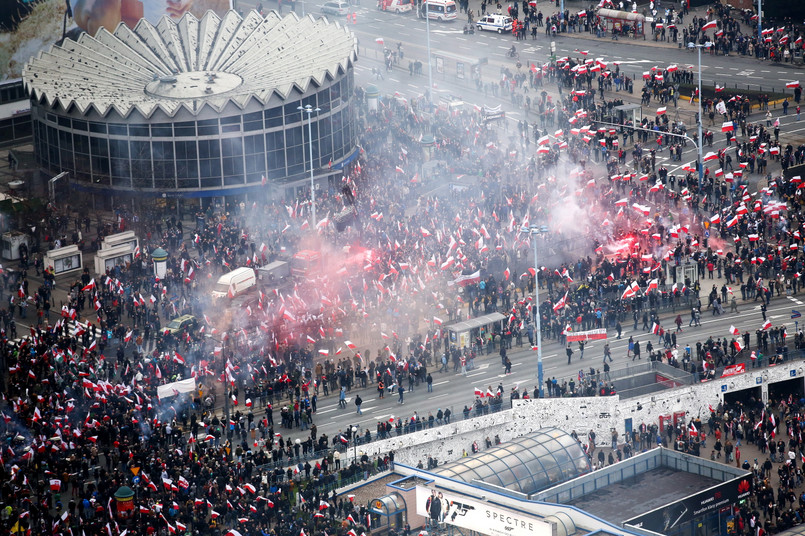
{"x": 525, "y": 464}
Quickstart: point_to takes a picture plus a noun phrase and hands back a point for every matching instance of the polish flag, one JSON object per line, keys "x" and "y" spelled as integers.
{"x": 727, "y": 126}
{"x": 792, "y": 85}
{"x": 661, "y": 111}
{"x": 711, "y": 24}
{"x": 561, "y": 303}
{"x": 734, "y": 331}
{"x": 479, "y": 393}
{"x": 351, "y": 345}
{"x": 710, "y": 156}
{"x": 437, "y": 320}
{"x": 766, "y": 325}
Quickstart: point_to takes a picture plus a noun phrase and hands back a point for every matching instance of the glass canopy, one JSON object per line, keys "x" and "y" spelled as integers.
{"x": 525, "y": 464}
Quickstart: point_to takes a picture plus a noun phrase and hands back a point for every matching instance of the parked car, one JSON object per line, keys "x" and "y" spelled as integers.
{"x": 335, "y": 7}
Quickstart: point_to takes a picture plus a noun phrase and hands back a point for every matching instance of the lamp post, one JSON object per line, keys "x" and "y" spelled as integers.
{"x": 355, "y": 444}
{"x": 760, "y": 20}
{"x": 430, "y": 66}
{"x": 309, "y": 109}
{"x": 534, "y": 231}
{"x": 699, "y": 48}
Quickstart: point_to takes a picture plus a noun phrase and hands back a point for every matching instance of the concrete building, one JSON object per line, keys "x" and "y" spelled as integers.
{"x": 196, "y": 108}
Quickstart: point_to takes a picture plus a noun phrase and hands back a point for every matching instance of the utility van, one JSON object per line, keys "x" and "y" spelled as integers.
{"x": 441, "y": 10}
{"x": 395, "y": 6}
{"x": 234, "y": 283}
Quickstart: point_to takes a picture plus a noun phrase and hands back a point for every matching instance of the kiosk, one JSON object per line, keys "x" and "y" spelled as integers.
{"x": 108, "y": 258}
{"x": 12, "y": 241}
{"x": 64, "y": 260}
{"x": 126, "y": 237}
{"x": 463, "y": 333}
{"x": 160, "y": 257}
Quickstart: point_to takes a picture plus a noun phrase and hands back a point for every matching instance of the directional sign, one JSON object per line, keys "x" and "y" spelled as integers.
{"x": 795, "y": 314}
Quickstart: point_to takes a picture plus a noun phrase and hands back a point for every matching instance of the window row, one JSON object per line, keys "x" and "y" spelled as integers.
{"x": 196, "y": 163}
{"x": 326, "y": 99}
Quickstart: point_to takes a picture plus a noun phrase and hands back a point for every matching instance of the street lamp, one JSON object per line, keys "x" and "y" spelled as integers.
{"x": 309, "y": 109}
{"x": 534, "y": 231}
{"x": 430, "y": 67}
{"x": 760, "y": 20}
{"x": 699, "y": 48}
{"x": 355, "y": 444}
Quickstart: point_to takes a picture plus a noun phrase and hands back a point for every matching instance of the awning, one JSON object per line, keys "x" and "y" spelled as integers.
{"x": 622, "y": 15}
{"x": 388, "y": 505}
{"x": 477, "y": 322}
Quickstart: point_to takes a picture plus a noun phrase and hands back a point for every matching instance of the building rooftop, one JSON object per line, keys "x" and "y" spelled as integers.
{"x": 190, "y": 64}
{"x": 640, "y": 494}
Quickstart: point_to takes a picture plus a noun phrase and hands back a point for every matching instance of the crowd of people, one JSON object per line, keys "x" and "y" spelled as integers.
{"x": 80, "y": 408}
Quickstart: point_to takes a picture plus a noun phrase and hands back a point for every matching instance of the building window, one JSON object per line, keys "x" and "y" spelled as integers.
{"x": 208, "y": 127}
{"x": 99, "y": 155}
{"x": 142, "y": 173}
{"x": 273, "y": 117}
{"x": 254, "y": 148}
{"x": 253, "y": 121}
{"x": 232, "y": 151}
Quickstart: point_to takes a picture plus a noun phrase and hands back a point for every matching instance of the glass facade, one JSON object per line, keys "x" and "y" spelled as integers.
{"x": 525, "y": 464}
{"x": 226, "y": 152}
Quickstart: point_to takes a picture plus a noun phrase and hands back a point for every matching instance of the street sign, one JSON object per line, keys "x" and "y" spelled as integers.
{"x": 795, "y": 314}
{"x": 135, "y": 480}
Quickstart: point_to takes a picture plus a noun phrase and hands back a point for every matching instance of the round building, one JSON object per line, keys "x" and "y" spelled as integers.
{"x": 196, "y": 108}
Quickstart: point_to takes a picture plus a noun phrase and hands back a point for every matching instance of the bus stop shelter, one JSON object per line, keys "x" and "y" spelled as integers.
{"x": 463, "y": 333}
{"x": 617, "y": 20}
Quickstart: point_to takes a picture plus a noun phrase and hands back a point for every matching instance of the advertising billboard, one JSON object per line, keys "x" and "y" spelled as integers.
{"x": 458, "y": 510}
{"x": 29, "y": 26}
{"x": 700, "y": 504}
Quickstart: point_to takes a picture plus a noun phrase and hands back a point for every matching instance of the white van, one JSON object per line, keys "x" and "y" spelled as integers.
{"x": 395, "y": 6}
{"x": 235, "y": 282}
{"x": 495, "y": 23}
{"x": 441, "y": 10}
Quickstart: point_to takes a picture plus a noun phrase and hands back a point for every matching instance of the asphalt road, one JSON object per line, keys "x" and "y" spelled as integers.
{"x": 454, "y": 390}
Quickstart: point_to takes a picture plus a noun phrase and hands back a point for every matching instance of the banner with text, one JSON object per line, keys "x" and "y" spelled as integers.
{"x": 478, "y": 516}
{"x": 592, "y": 335}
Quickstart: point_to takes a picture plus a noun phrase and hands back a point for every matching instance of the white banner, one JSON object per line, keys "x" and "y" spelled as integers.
{"x": 592, "y": 335}
{"x": 175, "y": 388}
{"x": 478, "y": 516}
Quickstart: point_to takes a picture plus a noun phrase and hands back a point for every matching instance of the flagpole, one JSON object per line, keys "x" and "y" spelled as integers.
{"x": 533, "y": 231}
